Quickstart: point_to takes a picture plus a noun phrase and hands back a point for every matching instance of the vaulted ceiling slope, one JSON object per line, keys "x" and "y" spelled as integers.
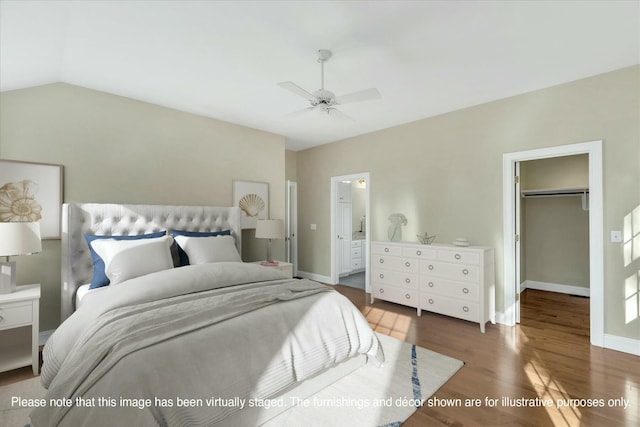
{"x": 224, "y": 59}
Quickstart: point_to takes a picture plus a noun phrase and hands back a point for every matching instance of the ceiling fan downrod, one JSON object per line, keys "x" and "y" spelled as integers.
{"x": 323, "y": 56}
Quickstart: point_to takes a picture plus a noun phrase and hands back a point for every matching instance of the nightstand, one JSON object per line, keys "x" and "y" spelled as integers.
{"x": 287, "y": 267}
{"x": 20, "y": 310}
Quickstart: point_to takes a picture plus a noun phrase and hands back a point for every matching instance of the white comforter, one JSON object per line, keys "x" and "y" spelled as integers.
{"x": 226, "y": 331}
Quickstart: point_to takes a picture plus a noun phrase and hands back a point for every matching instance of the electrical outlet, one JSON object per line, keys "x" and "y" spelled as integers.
{"x": 616, "y": 236}
{"x": 313, "y": 226}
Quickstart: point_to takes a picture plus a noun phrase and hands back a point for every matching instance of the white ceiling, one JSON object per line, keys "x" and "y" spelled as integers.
{"x": 223, "y": 59}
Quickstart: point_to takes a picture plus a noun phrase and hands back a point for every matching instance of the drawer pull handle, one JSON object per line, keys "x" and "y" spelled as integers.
{"x": 381, "y": 261}
{"x": 382, "y": 291}
{"x": 407, "y": 280}
{"x": 386, "y": 249}
{"x": 465, "y": 271}
{"x": 430, "y": 300}
{"x": 431, "y": 284}
{"x": 418, "y": 252}
{"x": 457, "y": 256}
{"x": 407, "y": 296}
{"x": 407, "y": 264}
{"x": 430, "y": 266}
{"x": 465, "y": 309}
{"x": 465, "y": 290}
{"x": 381, "y": 276}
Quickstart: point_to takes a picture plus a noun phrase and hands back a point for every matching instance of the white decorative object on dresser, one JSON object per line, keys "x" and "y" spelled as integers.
{"x": 19, "y": 310}
{"x": 444, "y": 279}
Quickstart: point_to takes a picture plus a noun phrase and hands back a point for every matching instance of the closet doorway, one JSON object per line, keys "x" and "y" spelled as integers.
{"x": 512, "y": 230}
{"x": 554, "y": 226}
{"x": 350, "y": 230}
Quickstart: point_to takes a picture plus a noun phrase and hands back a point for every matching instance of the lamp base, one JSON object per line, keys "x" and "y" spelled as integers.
{"x": 269, "y": 258}
{"x": 7, "y": 277}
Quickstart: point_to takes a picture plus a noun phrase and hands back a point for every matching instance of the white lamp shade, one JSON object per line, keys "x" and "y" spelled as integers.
{"x": 19, "y": 238}
{"x": 269, "y": 229}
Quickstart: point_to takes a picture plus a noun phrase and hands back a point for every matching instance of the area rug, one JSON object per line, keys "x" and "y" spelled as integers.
{"x": 376, "y": 396}
{"x": 369, "y": 397}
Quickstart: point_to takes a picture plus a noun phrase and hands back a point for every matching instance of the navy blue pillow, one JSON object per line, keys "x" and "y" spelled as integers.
{"x": 182, "y": 255}
{"x": 100, "y": 278}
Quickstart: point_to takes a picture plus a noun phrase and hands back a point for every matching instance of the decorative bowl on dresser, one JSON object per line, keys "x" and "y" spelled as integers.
{"x": 445, "y": 279}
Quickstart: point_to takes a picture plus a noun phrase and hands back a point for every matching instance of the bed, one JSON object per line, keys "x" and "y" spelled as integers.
{"x": 205, "y": 341}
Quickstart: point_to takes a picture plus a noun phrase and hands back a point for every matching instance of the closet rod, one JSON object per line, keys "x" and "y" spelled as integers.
{"x": 555, "y": 193}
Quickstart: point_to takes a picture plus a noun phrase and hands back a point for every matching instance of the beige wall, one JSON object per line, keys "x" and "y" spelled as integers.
{"x": 556, "y": 241}
{"x": 555, "y": 230}
{"x": 555, "y": 173}
{"x": 445, "y": 173}
{"x": 290, "y": 172}
{"x": 116, "y": 149}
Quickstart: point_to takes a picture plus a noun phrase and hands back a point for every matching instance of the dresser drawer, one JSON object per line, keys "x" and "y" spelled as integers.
{"x": 450, "y": 307}
{"x": 419, "y": 252}
{"x": 16, "y": 314}
{"x": 382, "y": 249}
{"x": 466, "y": 291}
{"x": 356, "y": 243}
{"x": 356, "y": 264}
{"x": 396, "y": 263}
{"x": 450, "y": 270}
{"x": 356, "y": 252}
{"x": 408, "y": 297}
{"x": 396, "y": 278}
{"x": 459, "y": 256}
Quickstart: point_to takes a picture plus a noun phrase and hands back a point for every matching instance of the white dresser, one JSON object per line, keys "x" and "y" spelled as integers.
{"x": 445, "y": 279}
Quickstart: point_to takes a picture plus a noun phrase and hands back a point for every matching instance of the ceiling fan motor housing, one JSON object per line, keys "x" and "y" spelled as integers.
{"x": 323, "y": 96}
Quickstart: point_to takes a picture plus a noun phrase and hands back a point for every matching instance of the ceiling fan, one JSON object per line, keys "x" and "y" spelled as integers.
{"x": 324, "y": 101}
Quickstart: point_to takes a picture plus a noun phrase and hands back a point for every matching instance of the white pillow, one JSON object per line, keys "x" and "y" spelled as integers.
{"x": 126, "y": 259}
{"x": 202, "y": 250}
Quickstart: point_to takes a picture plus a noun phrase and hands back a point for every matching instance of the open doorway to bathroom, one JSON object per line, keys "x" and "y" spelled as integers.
{"x": 350, "y": 230}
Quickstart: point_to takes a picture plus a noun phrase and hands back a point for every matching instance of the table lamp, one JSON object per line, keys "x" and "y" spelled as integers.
{"x": 16, "y": 238}
{"x": 269, "y": 229}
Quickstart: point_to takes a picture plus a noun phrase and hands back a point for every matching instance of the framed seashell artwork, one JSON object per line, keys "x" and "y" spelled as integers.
{"x": 31, "y": 192}
{"x": 253, "y": 200}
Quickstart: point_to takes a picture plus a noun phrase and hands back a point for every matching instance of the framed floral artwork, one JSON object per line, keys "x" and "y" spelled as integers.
{"x": 253, "y": 200}
{"x": 31, "y": 192}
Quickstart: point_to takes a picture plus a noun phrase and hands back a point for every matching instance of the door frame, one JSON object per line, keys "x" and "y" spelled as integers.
{"x": 291, "y": 226}
{"x": 335, "y": 274}
{"x": 596, "y": 230}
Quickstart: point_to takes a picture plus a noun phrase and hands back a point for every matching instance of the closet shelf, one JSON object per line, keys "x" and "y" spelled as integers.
{"x": 556, "y": 192}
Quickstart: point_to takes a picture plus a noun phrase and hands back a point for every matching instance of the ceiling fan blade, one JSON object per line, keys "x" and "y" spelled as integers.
{"x": 303, "y": 112}
{"x": 337, "y": 114}
{"x": 363, "y": 95}
{"x": 292, "y": 87}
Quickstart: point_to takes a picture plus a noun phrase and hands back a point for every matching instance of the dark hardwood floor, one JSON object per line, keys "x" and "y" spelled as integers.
{"x": 547, "y": 356}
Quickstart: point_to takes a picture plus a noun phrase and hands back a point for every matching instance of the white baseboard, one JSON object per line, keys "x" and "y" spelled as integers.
{"x": 43, "y": 336}
{"x": 626, "y": 345}
{"x": 317, "y": 277}
{"x": 501, "y": 319}
{"x": 555, "y": 287}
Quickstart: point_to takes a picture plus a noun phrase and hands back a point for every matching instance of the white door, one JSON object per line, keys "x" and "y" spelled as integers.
{"x": 291, "y": 239}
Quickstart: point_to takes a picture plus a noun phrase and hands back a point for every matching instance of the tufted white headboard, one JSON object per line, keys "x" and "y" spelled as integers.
{"x": 118, "y": 220}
